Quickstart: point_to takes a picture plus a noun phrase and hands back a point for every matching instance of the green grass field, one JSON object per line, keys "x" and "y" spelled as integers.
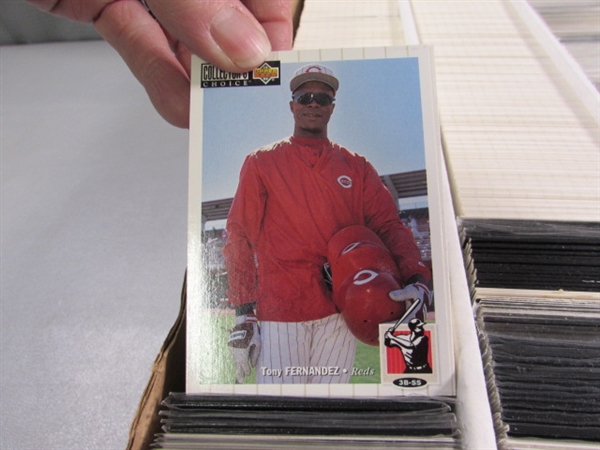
{"x": 367, "y": 361}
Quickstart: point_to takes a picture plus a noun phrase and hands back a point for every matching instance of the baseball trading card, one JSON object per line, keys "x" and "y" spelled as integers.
{"x": 316, "y": 262}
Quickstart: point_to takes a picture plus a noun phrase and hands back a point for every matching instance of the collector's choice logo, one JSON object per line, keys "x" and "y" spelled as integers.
{"x": 266, "y": 75}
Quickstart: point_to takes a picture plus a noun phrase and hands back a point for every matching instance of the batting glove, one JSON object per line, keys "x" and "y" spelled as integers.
{"x": 245, "y": 343}
{"x": 417, "y": 292}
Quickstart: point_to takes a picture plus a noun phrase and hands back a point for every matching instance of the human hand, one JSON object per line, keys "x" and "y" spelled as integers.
{"x": 235, "y": 35}
{"x": 416, "y": 291}
{"x": 421, "y": 298}
{"x": 245, "y": 345}
{"x": 388, "y": 336}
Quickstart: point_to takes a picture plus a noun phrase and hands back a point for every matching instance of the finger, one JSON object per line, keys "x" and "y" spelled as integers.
{"x": 80, "y": 11}
{"x": 245, "y": 369}
{"x": 222, "y": 32}
{"x": 401, "y": 295}
{"x": 184, "y": 56}
{"x": 239, "y": 375}
{"x": 142, "y": 44}
{"x": 276, "y": 17}
{"x": 254, "y": 354}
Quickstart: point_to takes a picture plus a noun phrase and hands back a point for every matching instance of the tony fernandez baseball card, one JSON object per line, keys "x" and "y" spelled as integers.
{"x": 316, "y": 257}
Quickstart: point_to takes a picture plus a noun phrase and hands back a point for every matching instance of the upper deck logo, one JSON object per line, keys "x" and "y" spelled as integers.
{"x": 266, "y": 73}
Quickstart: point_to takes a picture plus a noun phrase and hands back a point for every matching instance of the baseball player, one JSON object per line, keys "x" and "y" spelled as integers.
{"x": 415, "y": 347}
{"x": 292, "y": 197}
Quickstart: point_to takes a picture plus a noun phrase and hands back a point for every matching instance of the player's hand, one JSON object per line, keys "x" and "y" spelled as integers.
{"x": 235, "y": 35}
{"x": 413, "y": 291}
{"x": 387, "y": 337}
{"x": 245, "y": 344}
{"x": 417, "y": 292}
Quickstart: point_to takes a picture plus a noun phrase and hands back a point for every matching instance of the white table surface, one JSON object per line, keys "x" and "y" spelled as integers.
{"x": 93, "y": 226}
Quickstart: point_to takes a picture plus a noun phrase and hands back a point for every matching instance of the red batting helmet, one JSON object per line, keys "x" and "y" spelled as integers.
{"x": 363, "y": 273}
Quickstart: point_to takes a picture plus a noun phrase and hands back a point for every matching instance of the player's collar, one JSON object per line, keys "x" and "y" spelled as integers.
{"x": 309, "y": 142}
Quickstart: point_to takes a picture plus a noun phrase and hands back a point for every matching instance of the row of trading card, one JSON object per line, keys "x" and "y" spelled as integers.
{"x": 542, "y": 362}
{"x": 532, "y": 255}
{"x": 246, "y": 422}
{"x": 539, "y": 332}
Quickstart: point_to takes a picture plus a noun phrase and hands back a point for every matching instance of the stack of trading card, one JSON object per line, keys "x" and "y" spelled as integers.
{"x": 516, "y": 254}
{"x": 236, "y": 422}
{"x": 541, "y": 348}
{"x": 542, "y": 360}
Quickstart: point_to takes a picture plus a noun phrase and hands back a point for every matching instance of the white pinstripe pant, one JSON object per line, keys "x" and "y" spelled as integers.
{"x": 318, "y": 351}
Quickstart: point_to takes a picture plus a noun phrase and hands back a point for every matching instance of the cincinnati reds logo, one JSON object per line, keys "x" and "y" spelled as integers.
{"x": 345, "y": 181}
{"x": 313, "y": 69}
{"x": 364, "y": 276}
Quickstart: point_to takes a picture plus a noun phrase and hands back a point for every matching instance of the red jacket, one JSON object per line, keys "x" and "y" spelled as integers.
{"x": 292, "y": 197}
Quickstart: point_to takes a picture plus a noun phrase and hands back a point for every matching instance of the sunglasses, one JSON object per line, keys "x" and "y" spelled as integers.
{"x": 306, "y": 98}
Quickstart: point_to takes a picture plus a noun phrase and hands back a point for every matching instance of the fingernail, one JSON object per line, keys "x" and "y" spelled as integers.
{"x": 240, "y": 38}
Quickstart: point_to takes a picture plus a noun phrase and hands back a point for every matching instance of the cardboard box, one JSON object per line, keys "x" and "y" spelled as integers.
{"x": 168, "y": 375}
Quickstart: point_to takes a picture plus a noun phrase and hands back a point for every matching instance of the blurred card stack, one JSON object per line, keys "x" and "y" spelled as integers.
{"x": 259, "y": 422}
{"x": 521, "y": 138}
{"x": 537, "y": 309}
